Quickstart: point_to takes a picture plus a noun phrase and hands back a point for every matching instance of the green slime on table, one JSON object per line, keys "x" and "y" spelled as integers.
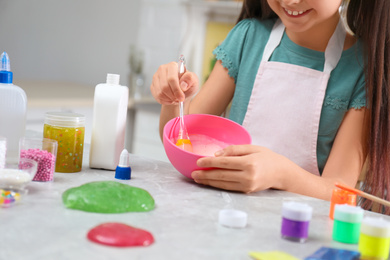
{"x": 108, "y": 197}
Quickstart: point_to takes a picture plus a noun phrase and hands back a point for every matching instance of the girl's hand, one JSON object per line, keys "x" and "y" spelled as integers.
{"x": 168, "y": 89}
{"x": 245, "y": 168}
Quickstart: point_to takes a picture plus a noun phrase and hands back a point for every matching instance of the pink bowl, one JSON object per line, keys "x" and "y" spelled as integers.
{"x": 216, "y": 127}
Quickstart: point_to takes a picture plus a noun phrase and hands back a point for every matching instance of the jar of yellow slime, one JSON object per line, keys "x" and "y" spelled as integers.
{"x": 68, "y": 129}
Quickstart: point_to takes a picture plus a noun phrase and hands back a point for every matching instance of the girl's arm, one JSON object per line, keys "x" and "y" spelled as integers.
{"x": 249, "y": 168}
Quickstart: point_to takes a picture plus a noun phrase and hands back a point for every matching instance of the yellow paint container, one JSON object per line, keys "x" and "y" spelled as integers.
{"x": 374, "y": 241}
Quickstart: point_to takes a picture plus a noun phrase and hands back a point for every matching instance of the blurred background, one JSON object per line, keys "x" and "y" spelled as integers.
{"x": 60, "y": 50}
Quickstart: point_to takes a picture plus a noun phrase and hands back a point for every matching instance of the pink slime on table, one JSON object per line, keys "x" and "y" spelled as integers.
{"x": 120, "y": 235}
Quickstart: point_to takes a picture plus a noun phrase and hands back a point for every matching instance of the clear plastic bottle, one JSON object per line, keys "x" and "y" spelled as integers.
{"x": 109, "y": 123}
{"x": 13, "y": 108}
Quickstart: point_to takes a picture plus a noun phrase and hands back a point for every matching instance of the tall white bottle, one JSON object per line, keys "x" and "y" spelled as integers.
{"x": 109, "y": 123}
{"x": 13, "y": 108}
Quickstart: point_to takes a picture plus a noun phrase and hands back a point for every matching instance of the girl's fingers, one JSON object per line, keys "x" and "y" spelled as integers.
{"x": 217, "y": 175}
{"x": 216, "y": 178}
{"x": 238, "y": 150}
{"x": 173, "y": 81}
{"x": 223, "y": 162}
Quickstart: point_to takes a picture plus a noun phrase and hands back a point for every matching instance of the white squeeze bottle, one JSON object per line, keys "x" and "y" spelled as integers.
{"x": 109, "y": 123}
{"x": 13, "y": 108}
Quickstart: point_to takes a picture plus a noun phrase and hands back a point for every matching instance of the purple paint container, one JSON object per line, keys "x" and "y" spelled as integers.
{"x": 295, "y": 221}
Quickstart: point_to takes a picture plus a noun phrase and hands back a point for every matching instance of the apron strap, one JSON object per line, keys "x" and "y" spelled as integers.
{"x": 274, "y": 39}
{"x": 333, "y": 50}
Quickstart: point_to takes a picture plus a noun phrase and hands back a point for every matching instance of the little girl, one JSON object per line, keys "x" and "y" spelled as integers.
{"x": 313, "y": 97}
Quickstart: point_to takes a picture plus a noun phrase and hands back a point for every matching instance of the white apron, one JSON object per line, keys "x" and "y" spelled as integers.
{"x": 285, "y": 106}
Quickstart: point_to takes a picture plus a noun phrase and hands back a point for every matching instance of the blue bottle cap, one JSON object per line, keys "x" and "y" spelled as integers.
{"x": 123, "y": 173}
{"x": 5, "y": 69}
{"x": 123, "y": 170}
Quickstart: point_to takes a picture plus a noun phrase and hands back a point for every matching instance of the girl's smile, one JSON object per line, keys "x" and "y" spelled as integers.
{"x": 296, "y": 13}
{"x": 309, "y": 23}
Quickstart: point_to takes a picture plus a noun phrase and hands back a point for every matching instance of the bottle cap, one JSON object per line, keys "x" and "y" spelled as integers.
{"x": 348, "y": 213}
{"x": 232, "y": 218}
{"x": 296, "y": 211}
{"x": 123, "y": 170}
{"x": 5, "y": 69}
{"x": 113, "y": 79}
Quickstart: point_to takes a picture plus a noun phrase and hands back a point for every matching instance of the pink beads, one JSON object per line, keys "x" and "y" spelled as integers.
{"x": 46, "y": 163}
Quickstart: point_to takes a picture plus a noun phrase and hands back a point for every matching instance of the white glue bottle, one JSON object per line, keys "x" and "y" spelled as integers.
{"x": 13, "y": 108}
{"x": 109, "y": 123}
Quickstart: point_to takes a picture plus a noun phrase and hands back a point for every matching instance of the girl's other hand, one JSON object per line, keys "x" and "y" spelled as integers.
{"x": 245, "y": 168}
{"x": 168, "y": 89}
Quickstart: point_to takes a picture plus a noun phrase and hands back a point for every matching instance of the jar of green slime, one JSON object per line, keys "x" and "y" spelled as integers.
{"x": 68, "y": 129}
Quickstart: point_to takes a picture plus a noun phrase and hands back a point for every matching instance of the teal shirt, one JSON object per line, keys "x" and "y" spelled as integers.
{"x": 242, "y": 51}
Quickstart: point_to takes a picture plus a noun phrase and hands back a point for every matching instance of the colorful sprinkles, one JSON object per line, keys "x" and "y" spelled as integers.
{"x": 8, "y": 198}
{"x": 46, "y": 163}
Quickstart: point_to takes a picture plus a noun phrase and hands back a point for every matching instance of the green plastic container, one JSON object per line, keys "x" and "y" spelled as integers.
{"x": 347, "y": 222}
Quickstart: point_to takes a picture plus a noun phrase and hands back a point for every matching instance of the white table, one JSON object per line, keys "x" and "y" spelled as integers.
{"x": 184, "y": 222}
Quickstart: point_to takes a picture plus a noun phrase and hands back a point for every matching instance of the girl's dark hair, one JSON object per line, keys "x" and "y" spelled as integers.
{"x": 256, "y": 9}
{"x": 369, "y": 20}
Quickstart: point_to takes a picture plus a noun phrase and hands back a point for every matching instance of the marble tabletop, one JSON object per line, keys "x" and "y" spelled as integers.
{"x": 184, "y": 223}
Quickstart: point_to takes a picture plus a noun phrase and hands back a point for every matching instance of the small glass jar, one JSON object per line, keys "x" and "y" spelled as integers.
{"x": 68, "y": 129}
{"x": 346, "y": 225}
{"x": 44, "y": 152}
{"x": 374, "y": 241}
{"x": 296, "y": 217}
{"x": 340, "y": 196}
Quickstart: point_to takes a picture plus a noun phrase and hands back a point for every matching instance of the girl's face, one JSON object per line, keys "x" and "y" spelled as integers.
{"x": 303, "y": 15}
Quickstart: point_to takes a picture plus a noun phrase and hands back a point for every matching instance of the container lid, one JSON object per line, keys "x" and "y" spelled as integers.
{"x": 64, "y": 119}
{"x": 112, "y": 79}
{"x": 375, "y": 227}
{"x": 232, "y": 218}
{"x": 297, "y": 211}
{"x": 340, "y": 196}
{"x": 348, "y": 213}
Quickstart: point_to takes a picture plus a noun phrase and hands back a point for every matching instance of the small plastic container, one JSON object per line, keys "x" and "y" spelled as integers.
{"x": 340, "y": 196}
{"x": 346, "y": 225}
{"x": 295, "y": 221}
{"x": 374, "y": 241}
{"x": 232, "y": 218}
{"x": 44, "y": 152}
{"x": 14, "y": 177}
{"x": 68, "y": 129}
